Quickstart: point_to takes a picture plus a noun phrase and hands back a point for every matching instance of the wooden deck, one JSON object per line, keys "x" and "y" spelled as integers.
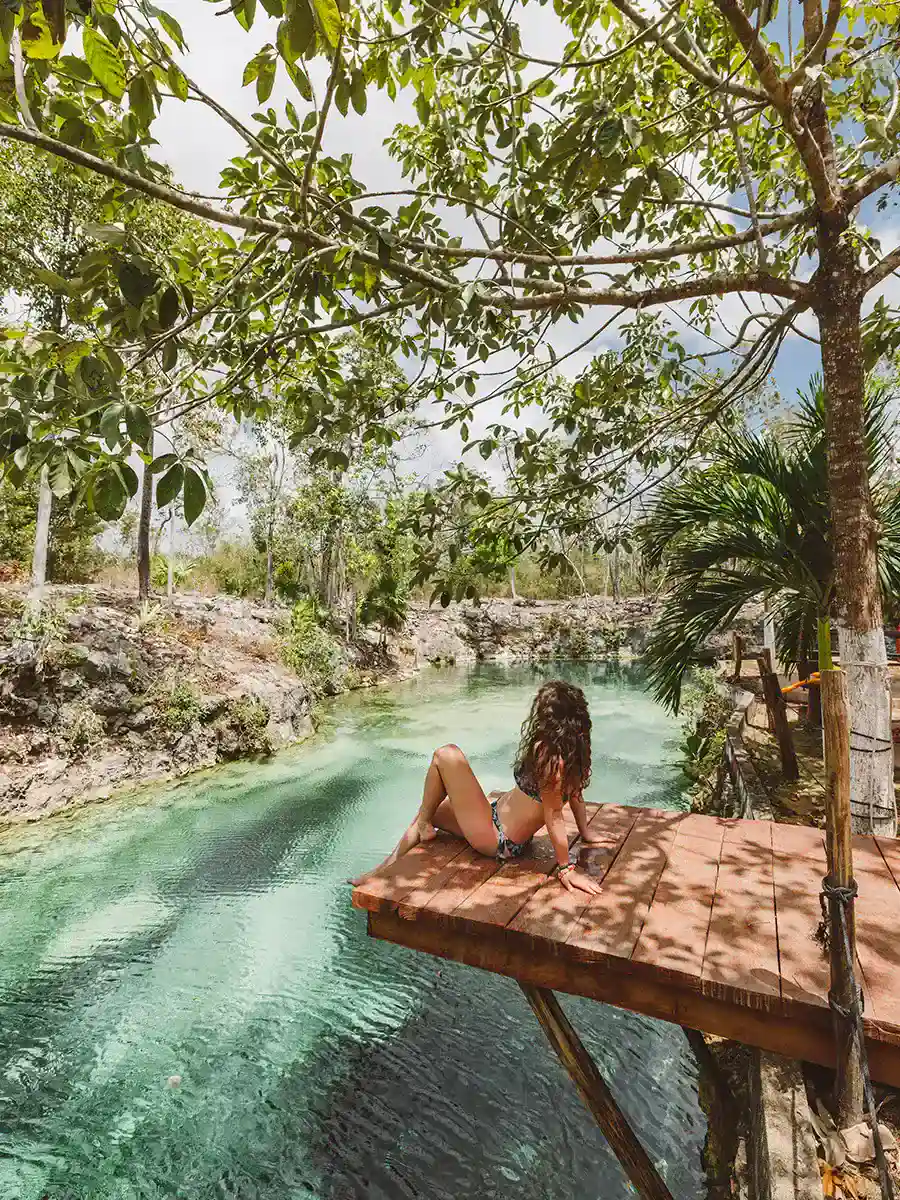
{"x": 702, "y": 921}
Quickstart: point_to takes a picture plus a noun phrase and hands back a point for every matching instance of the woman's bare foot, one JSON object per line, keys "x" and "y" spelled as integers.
{"x": 420, "y": 830}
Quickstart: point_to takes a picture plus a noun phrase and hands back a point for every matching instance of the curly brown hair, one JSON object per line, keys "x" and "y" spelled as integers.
{"x": 557, "y": 730}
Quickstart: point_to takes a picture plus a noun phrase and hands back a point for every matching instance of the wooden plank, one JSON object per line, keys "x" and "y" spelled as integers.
{"x": 673, "y": 939}
{"x": 519, "y": 957}
{"x": 877, "y": 923}
{"x": 612, "y": 921}
{"x": 800, "y": 841}
{"x": 703, "y": 827}
{"x": 741, "y": 960}
{"x": 506, "y": 891}
{"x": 471, "y": 870}
{"x": 890, "y": 851}
{"x": 553, "y": 911}
{"x": 803, "y": 960}
{"x": 414, "y": 870}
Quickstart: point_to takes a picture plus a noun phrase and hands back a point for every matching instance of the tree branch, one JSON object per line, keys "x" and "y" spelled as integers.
{"x": 708, "y": 78}
{"x": 208, "y": 212}
{"x": 886, "y": 173}
{"x": 320, "y": 129}
{"x": 759, "y": 56}
{"x": 819, "y": 48}
{"x": 712, "y": 285}
{"x": 881, "y": 270}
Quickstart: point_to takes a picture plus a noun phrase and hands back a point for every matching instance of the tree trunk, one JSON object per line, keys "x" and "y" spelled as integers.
{"x": 143, "y": 534}
{"x": 270, "y": 571}
{"x": 615, "y": 573}
{"x": 854, "y": 533}
{"x": 170, "y": 580}
{"x": 41, "y": 542}
{"x": 512, "y": 583}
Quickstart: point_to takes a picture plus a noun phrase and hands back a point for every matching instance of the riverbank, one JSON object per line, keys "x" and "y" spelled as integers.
{"x": 101, "y": 694}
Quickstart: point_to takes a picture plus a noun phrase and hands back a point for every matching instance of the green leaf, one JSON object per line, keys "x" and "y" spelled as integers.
{"x": 170, "y": 354}
{"x": 250, "y": 71}
{"x": 188, "y": 297}
{"x": 60, "y": 483}
{"x": 136, "y": 283}
{"x": 245, "y": 11}
{"x": 172, "y": 28}
{"x": 162, "y": 463}
{"x": 169, "y": 486}
{"x": 177, "y": 82}
{"x": 108, "y": 496}
{"x": 329, "y": 17}
{"x": 37, "y": 39}
{"x": 275, "y": 8}
{"x": 137, "y": 422}
{"x": 358, "y": 92}
{"x": 169, "y": 307}
{"x": 300, "y": 27}
{"x": 301, "y": 82}
{"x": 128, "y": 476}
{"x": 109, "y": 425}
{"x": 194, "y": 495}
{"x": 105, "y": 63}
{"x": 265, "y": 80}
{"x": 140, "y": 99}
{"x": 115, "y": 235}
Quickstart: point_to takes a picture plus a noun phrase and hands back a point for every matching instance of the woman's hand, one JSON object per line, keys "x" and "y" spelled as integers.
{"x": 574, "y": 881}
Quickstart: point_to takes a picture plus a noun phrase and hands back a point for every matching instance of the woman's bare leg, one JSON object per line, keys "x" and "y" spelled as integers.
{"x": 452, "y": 799}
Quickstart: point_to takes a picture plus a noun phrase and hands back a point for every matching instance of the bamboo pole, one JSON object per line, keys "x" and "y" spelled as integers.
{"x": 595, "y": 1093}
{"x": 839, "y": 851}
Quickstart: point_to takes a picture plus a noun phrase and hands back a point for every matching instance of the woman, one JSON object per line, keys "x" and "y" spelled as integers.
{"x": 552, "y": 769}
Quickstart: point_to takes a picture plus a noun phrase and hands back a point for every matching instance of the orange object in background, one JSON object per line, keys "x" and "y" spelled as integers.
{"x": 791, "y": 687}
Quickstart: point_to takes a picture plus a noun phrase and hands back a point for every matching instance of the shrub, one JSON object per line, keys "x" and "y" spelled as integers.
{"x": 246, "y": 731}
{"x": 234, "y": 568}
{"x": 82, "y": 729}
{"x": 707, "y": 708}
{"x": 178, "y": 707}
{"x": 310, "y": 650}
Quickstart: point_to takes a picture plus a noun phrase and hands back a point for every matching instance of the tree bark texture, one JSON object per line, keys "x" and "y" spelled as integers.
{"x": 143, "y": 534}
{"x": 855, "y": 536}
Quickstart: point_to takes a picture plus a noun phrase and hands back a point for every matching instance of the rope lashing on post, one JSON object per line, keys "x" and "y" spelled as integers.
{"x": 853, "y": 1015}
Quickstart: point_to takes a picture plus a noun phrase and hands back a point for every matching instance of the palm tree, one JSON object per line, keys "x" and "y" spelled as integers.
{"x": 754, "y": 525}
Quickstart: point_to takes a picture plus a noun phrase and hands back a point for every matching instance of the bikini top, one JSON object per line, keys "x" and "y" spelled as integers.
{"x": 526, "y": 782}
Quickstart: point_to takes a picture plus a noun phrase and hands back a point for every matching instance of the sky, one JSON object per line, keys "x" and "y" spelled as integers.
{"x": 196, "y": 143}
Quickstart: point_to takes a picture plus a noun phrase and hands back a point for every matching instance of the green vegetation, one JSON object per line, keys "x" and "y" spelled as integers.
{"x": 754, "y": 524}
{"x": 666, "y": 172}
{"x": 178, "y": 707}
{"x": 310, "y": 649}
{"x": 706, "y": 707}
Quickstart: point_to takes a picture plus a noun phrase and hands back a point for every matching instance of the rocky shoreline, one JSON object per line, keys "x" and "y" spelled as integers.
{"x": 101, "y": 695}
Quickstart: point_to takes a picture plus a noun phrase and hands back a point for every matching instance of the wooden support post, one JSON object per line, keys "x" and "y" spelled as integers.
{"x": 839, "y": 852}
{"x": 778, "y": 722}
{"x": 594, "y": 1092}
{"x": 738, "y": 644}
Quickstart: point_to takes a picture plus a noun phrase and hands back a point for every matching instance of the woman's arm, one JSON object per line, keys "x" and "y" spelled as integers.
{"x": 571, "y": 879}
{"x": 576, "y": 803}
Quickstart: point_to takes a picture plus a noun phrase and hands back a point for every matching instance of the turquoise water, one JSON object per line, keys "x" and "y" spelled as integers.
{"x": 189, "y": 1007}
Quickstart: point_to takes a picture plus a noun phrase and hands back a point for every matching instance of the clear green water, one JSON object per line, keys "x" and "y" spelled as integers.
{"x": 206, "y": 932}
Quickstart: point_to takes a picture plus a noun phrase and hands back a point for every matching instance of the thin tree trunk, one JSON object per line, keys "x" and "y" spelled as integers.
{"x": 854, "y": 531}
{"x": 143, "y": 534}
{"x": 41, "y": 541}
{"x": 512, "y": 583}
{"x": 270, "y": 570}
{"x": 170, "y": 580}
{"x": 615, "y": 573}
